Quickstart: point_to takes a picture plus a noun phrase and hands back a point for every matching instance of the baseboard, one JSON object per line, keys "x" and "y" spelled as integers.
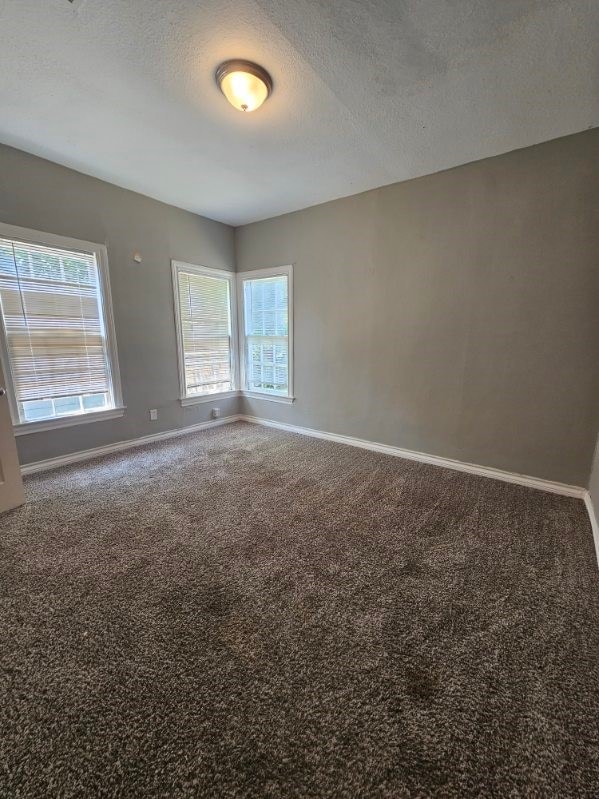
{"x": 88, "y": 454}
{"x": 594, "y": 521}
{"x": 423, "y": 457}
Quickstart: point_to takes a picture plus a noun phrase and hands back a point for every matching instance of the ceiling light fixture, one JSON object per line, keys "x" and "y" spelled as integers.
{"x": 245, "y": 84}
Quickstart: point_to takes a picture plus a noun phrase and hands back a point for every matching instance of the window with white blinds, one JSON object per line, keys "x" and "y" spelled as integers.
{"x": 204, "y": 315}
{"x": 267, "y": 312}
{"x": 58, "y": 342}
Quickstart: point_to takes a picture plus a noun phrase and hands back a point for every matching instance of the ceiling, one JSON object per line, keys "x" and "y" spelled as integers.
{"x": 367, "y": 92}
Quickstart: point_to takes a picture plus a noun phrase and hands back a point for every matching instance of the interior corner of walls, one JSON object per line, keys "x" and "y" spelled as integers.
{"x": 232, "y": 406}
{"x": 238, "y": 405}
{"x": 594, "y": 477}
{"x": 236, "y": 248}
{"x": 87, "y": 208}
{"x": 203, "y": 411}
{"x": 594, "y": 520}
{"x": 243, "y": 407}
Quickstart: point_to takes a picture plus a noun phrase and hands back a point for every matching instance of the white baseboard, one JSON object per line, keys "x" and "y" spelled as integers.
{"x": 88, "y": 454}
{"x": 399, "y": 452}
{"x": 594, "y": 521}
{"x": 435, "y": 460}
{"x": 471, "y": 468}
{"x": 421, "y": 457}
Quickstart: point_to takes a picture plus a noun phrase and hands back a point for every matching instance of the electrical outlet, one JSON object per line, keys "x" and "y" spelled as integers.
{"x": 153, "y": 415}
{"x": 215, "y": 413}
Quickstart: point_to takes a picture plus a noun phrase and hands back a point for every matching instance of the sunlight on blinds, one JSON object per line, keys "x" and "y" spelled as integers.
{"x": 51, "y": 307}
{"x": 204, "y": 305}
{"x": 267, "y": 334}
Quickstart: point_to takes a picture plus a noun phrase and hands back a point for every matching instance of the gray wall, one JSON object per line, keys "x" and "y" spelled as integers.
{"x": 455, "y": 314}
{"x": 39, "y": 194}
{"x": 594, "y": 482}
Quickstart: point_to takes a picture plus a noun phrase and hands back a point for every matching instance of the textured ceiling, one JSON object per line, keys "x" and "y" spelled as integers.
{"x": 367, "y": 92}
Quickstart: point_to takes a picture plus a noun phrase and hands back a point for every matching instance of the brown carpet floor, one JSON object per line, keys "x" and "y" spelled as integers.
{"x": 249, "y": 613}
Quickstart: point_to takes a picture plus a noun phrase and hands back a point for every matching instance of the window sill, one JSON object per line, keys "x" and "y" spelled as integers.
{"x": 185, "y": 401}
{"x": 268, "y": 397}
{"x": 24, "y": 428}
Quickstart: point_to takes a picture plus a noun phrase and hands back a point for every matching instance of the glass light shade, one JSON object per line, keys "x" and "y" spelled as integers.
{"x": 246, "y": 86}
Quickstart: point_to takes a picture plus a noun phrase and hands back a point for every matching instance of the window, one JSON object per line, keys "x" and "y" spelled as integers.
{"x": 267, "y": 328}
{"x": 204, "y": 316}
{"x": 58, "y": 345}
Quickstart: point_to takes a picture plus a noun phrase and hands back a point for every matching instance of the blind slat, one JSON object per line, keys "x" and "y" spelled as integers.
{"x": 52, "y": 310}
{"x": 205, "y": 315}
{"x": 266, "y": 319}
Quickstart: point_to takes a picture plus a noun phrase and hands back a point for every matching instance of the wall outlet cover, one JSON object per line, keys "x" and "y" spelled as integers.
{"x": 153, "y": 415}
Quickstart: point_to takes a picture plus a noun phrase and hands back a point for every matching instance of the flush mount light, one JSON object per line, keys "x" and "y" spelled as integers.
{"x": 245, "y": 85}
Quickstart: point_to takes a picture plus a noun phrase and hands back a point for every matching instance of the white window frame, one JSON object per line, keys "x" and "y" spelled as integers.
{"x": 28, "y": 236}
{"x": 276, "y": 271}
{"x": 194, "y": 399}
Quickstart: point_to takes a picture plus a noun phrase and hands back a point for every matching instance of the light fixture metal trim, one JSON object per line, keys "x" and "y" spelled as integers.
{"x": 240, "y": 65}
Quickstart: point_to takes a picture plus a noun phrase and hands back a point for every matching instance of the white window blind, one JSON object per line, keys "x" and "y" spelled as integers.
{"x": 206, "y": 340}
{"x": 266, "y": 330}
{"x": 55, "y": 333}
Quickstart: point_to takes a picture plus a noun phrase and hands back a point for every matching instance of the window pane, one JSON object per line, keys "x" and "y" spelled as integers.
{"x": 205, "y": 315}
{"x": 37, "y": 409}
{"x": 65, "y": 406}
{"x": 52, "y": 309}
{"x": 95, "y": 402}
{"x": 266, "y": 328}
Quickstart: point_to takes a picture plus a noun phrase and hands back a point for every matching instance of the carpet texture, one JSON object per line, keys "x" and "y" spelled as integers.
{"x": 250, "y": 613}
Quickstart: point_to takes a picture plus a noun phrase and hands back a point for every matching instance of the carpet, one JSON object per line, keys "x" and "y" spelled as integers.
{"x": 245, "y": 612}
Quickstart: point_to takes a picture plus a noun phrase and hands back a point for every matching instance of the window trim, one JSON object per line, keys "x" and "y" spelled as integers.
{"x": 29, "y": 236}
{"x": 24, "y": 428}
{"x": 194, "y": 399}
{"x": 274, "y": 271}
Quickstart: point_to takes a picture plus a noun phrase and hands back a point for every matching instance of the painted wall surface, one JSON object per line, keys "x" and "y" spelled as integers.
{"x": 455, "y": 314}
{"x": 39, "y": 194}
{"x": 594, "y": 481}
